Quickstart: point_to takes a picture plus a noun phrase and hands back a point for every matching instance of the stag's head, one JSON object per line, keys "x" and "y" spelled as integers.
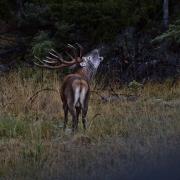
{"x": 92, "y": 59}
{"x": 75, "y": 57}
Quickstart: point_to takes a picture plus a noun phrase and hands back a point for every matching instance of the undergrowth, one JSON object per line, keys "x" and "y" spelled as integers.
{"x": 120, "y": 133}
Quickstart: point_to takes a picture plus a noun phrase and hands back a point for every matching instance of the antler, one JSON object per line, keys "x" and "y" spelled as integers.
{"x": 80, "y": 50}
{"x": 55, "y": 60}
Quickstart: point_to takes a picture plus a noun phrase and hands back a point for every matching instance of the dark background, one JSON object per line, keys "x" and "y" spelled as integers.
{"x": 137, "y": 43}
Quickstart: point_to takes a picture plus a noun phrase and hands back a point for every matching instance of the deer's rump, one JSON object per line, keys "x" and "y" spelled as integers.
{"x": 75, "y": 90}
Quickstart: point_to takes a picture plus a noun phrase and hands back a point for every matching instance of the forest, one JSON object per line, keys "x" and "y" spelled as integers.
{"x": 133, "y": 114}
{"x": 139, "y": 42}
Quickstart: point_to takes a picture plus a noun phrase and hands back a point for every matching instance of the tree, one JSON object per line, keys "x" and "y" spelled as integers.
{"x": 165, "y": 14}
{"x": 20, "y": 10}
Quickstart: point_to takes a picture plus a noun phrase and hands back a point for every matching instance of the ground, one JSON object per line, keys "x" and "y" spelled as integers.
{"x": 134, "y": 135}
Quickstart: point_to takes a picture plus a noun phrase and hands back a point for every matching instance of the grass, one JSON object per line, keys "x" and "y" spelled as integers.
{"x": 125, "y": 138}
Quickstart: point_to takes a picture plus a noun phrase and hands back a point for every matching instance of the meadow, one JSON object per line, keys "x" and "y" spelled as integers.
{"x": 135, "y": 135}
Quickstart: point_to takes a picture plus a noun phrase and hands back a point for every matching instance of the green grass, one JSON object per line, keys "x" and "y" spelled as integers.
{"x": 122, "y": 134}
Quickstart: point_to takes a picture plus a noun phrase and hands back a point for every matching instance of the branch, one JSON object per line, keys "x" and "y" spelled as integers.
{"x": 34, "y": 96}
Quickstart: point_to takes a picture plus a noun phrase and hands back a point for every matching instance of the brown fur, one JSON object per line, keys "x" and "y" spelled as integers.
{"x": 75, "y": 89}
{"x": 71, "y": 82}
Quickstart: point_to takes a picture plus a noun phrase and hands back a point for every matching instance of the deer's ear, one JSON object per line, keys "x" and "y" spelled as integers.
{"x": 89, "y": 58}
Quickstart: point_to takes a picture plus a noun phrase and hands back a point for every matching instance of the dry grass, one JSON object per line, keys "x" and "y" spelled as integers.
{"x": 126, "y": 134}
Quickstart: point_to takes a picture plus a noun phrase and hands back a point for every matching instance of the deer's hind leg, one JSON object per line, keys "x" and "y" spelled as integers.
{"x": 78, "y": 111}
{"x": 84, "y": 117}
{"x": 72, "y": 110}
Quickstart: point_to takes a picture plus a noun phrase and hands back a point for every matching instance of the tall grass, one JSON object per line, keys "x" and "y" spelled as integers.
{"x": 122, "y": 134}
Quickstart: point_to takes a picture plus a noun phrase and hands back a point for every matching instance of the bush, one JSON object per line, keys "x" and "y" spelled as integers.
{"x": 93, "y": 22}
{"x": 41, "y": 44}
{"x": 172, "y": 34}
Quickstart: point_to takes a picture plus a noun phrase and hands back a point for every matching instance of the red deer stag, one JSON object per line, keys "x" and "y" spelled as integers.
{"x": 75, "y": 90}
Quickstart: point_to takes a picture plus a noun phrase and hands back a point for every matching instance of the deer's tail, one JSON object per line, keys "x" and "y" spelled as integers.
{"x": 80, "y": 90}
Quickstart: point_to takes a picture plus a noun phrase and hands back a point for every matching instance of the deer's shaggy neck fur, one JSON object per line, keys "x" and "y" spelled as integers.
{"x": 88, "y": 72}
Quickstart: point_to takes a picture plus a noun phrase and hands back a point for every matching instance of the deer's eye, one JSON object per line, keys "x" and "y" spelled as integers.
{"x": 89, "y": 58}
{"x": 101, "y": 58}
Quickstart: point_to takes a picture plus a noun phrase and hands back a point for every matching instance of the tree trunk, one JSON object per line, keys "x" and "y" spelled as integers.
{"x": 165, "y": 14}
{"x": 20, "y": 9}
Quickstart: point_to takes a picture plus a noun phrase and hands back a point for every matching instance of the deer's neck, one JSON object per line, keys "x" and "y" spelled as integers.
{"x": 86, "y": 72}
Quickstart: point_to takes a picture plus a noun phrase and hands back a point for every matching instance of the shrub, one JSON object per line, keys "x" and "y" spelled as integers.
{"x": 41, "y": 44}
{"x": 172, "y": 34}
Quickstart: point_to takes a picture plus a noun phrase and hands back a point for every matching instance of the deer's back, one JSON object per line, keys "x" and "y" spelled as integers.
{"x": 73, "y": 84}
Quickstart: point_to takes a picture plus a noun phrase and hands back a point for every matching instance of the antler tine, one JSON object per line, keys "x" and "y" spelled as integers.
{"x": 74, "y": 50}
{"x": 71, "y": 46}
{"x": 51, "y": 59}
{"x": 49, "y": 62}
{"x": 69, "y": 55}
{"x": 81, "y": 49}
{"x": 57, "y": 54}
{"x": 39, "y": 60}
{"x": 55, "y": 59}
{"x": 44, "y": 64}
{"x": 54, "y": 54}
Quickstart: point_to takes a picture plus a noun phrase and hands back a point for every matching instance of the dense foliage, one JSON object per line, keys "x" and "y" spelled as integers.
{"x": 125, "y": 26}
{"x": 71, "y": 21}
{"x": 172, "y": 34}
